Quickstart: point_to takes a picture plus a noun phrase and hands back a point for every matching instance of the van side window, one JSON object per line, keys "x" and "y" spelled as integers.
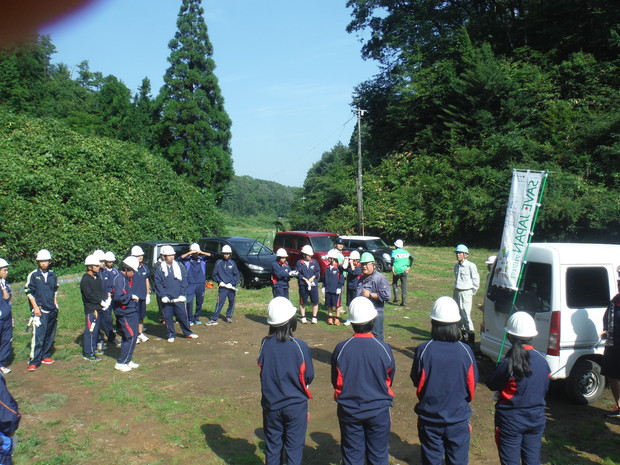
{"x": 534, "y": 294}
{"x": 587, "y": 287}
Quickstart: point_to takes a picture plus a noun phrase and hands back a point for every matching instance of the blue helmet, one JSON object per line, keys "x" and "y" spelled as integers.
{"x": 462, "y": 248}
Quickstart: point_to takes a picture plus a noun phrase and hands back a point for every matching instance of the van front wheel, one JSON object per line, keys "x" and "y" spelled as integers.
{"x": 585, "y": 383}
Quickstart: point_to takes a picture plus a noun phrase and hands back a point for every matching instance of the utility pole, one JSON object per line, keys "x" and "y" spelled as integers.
{"x": 360, "y": 195}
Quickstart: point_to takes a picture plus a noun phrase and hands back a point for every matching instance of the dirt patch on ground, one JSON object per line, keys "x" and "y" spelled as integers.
{"x": 217, "y": 377}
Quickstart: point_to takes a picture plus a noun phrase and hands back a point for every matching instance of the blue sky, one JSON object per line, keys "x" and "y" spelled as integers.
{"x": 286, "y": 68}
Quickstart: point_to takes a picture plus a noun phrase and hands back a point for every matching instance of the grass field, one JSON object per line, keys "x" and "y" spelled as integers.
{"x": 197, "y": 402}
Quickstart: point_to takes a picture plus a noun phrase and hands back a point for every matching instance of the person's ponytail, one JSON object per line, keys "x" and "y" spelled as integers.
{"x": 518, "y": 358}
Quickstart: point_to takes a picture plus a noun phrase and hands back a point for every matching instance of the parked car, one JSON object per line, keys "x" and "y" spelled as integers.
{"x": 566, "y": 288}
{"x": 293, "y": 241}
{"x": 373, "y": 244}
{"x": 253, "y": 258}
{"x": 152, "y": 250}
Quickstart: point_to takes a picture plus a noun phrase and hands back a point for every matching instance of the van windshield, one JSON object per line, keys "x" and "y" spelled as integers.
{"x": 322, "y": 243}
{"x": 534, "y": 294}
{"x": 244, "y": 248}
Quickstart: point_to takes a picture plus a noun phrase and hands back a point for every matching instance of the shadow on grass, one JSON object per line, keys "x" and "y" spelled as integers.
{"x": 321, "y": 355}
{"x": 578, "y": 434}
{"x": 403, "y": 451}
{"x": 262, "y": 319}
{"x": 231, "y": 450}
{"x": 423, "y": 333}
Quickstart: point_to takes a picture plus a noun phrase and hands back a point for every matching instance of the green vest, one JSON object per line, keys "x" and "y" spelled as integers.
{"x": 400, "y": 260}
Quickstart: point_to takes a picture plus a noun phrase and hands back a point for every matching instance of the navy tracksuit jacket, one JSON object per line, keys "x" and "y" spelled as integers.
{"x": 126, "y": 311}
{"x": 225, "y": 271}
{"x": 43, "y": 290}
{"x": 286, "y": 371}
{"x": 92, "y": 295}
{"x": 363, "y": 370}
{"x": 280, "y": 277}
{"x": 9, "y": 422}
{"x": 520, "y": 410}
{"x": 6, "y": 326}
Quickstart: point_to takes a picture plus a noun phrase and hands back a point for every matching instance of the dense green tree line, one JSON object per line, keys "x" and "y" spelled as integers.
{"x": 469, "y": 91}
{"x": 72, "y": 193}
{"x": 247, "y": 196}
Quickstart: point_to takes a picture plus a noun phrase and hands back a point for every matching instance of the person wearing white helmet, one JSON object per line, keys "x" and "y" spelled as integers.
{"x": 375, "y": 287}
{"x": 142, "y": 288}
{"x": 6, "y": 318}
{"x": 41, "y": 290}
{"x": 125, "y": 306}
{"x": 466, "y": 284}
{"x": 93, "y": 296}
{"x": 308, "y": 275}
{"x": 109, "y": 273}
{"x": 333, "y": 281}
{"x": 362, "y": 374}
{"x": 9, "y": 412}
{"x": 611, "y": 356}
{"x": 445, "y": 373}
{"x": 105, "y": 315}
{"x": 522, "y": 381}
{"x": 353, "y": 275}
{"x": 170, "y": 286}
{"x": 195, "y": 261}
{"x": 286, "y": 371}
{"x": 226, "y": 273}
{"x": 281, "y": 274}
{"x": 401, "y": 264}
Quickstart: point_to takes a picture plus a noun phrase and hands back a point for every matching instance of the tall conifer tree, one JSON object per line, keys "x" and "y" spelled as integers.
{"x": 195, "y": 128}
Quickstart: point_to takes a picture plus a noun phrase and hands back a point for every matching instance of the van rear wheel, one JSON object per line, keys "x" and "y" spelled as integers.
{"x": 585, "y": 383}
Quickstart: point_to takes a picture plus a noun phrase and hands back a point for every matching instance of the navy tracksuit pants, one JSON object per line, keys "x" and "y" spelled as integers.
{"x": 107, "y": 326}
{"x": 519, "y": 438}
{"x": 128, "y": 326}
{"x": 285, "y": 429}
{"x": 43, "y": 338}
{"x": 444, "y": 440}
{"x": 195, "y": 292}
{"x": 280, "y": 291}
{"x": 222, "y": 295}
{"x": 6, "y": 339}
{"x": 365, "y": 438}
{"x": 172, "y": 310}
{"x": 90, "y": 337}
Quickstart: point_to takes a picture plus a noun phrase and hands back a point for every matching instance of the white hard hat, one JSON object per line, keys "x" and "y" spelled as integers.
{"x": 307, "y": 250}
{"x": 361, "y": 310}
{"x": 491, "y": 259}
{"x": 355, "y": 255}
{"x": 100, "y": 254}
{"x": 194, "y": 247}
{"x": 167, "y": 250}
{"x": 91, "y": 260}
{"x": 226, "y": 249}
{"x": 3, "y": 263}
{"x": 398, "y": 243}
{"x": 279, "y": 311}
{"x": 445, "y": 310}
{"x": 333, "y": 253}
{"x": 110, "y": 257}
{"x": 132, "y": 262}
{"x": 136, "y": 251}
{"x": 521, "y": 324}
{"x": 43, "y": 255}
{"x": 281, "y": 253}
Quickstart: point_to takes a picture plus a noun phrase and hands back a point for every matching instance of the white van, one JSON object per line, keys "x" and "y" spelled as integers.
{"x": 566, "y": 288}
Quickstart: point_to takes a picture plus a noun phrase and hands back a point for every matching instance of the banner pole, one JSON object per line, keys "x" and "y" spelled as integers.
{"x": 514, "y": 298}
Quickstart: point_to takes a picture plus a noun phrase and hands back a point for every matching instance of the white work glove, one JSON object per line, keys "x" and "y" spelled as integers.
{"x": 293, "y": 273}
{"x": 165, "y": 300}
{"x": 323, "y": 290}
{"x": 134, "y": 297}
{"x": 104, "y": 304}
{"x": 222, "y": 284}
{"x": 34, "y": 321}
{"x": 182, "y": 298}
{"x": 338, "y": 291}
{"x": 148, "y": 299}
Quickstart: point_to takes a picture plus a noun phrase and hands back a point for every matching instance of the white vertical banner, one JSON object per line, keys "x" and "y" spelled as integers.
{"x": 520, "y": 214}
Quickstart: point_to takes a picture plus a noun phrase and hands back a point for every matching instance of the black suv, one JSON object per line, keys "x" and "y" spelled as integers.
{"x": 253, "y": 258}
{"x": 373, "y": 244}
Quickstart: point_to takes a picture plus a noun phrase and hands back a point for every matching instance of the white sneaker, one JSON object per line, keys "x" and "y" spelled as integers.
{"x": 346, "y": 323}
{"x": 133, "y": 364}
{"x": 142, "y": 337}
{"x": 170, "y": 339}
{"x": 192, "y": 336}
{"x": 5, "y": 370}
{"x": 303, "y": 320}
{"x": 314, "y": 321}
{"x": 122, "y": 367}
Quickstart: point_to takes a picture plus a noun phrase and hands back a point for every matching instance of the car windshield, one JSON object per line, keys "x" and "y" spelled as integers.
{"x": 375, "y": 244}
{"x": 322, "y": 243}
{"x": 251, "y": 247}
